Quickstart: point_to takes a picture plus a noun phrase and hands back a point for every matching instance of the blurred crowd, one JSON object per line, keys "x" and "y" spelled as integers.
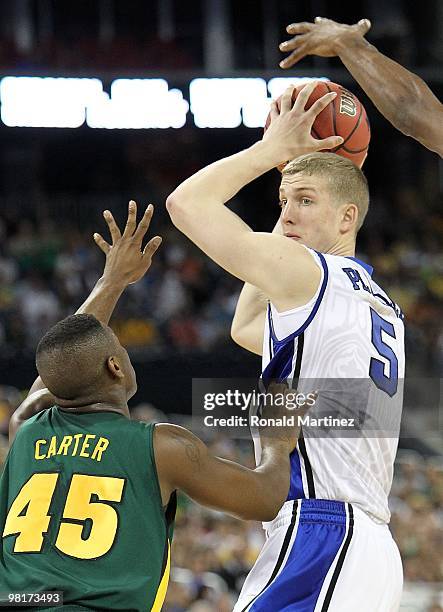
{"x": 184, "y": 302}
{"x": 416, "y": 504}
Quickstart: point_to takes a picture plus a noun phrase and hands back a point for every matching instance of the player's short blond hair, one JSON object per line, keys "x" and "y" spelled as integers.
{"x": 347, "y": 182}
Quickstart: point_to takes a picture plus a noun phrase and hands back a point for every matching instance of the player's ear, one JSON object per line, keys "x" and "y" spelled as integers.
{"x": 349, "y": 217}
{"x": 114, "y": 367}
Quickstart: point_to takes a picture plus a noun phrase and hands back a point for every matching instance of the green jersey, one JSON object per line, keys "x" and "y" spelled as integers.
{"x": 81, "y": 512}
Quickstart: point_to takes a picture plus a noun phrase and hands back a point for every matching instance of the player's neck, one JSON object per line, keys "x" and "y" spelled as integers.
{"x": 345, "y": 247}
{"x": 113, "y": 400}
{"x": 97, "y": 407}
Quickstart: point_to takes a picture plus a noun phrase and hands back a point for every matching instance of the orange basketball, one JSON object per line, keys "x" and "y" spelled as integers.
{"x": 345, "y": 116}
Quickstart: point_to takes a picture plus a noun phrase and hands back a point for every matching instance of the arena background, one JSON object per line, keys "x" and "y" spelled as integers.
{"x": 55, "y": 182}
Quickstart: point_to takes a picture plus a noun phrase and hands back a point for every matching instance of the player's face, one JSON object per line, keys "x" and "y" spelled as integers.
{"x": 308, "y": 214}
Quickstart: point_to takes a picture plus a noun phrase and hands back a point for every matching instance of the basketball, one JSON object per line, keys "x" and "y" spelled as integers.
{"x": 345, "y": 116}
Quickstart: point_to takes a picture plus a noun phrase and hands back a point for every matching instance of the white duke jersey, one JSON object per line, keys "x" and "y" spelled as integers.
{"x": 347, "y": 343}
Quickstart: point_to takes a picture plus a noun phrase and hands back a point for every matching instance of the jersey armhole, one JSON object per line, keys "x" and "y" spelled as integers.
{"x": 315, "y": 301}
{"x": 323, "y": 269}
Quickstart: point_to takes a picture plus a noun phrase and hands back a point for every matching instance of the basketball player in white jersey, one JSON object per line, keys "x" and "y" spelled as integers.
{"x": 313, "y": 311}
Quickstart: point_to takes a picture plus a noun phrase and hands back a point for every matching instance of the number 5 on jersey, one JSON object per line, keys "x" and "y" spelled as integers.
{"x": 29, "y": 518}
{"x": 387, "y": 383}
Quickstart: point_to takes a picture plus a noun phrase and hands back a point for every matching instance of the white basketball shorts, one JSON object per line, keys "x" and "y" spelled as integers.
{"x": 324, "y": 556}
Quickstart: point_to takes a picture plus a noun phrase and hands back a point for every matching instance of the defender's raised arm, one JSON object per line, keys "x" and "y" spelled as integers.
{"x": 400, "y": 95}
{"x": 125, "y": 263}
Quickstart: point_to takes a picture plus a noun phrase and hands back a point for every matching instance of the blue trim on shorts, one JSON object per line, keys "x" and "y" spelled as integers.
{"x": 326, "y": 511}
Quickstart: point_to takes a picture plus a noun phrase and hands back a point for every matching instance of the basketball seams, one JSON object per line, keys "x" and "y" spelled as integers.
{"x": 352, "y": 132}
{"x": 354, "y": 151}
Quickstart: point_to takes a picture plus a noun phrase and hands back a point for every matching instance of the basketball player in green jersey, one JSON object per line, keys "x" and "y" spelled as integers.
{"x": 87, "y": 496}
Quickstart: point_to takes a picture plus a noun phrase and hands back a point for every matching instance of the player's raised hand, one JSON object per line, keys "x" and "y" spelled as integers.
{"x": 126, "y": 260}
{"x": 289, "y": 133}
{"x": 323, "y": 38}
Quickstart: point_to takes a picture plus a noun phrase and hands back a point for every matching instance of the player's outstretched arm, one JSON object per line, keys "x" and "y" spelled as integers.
{"x": 197, "y": 206}
{"x": 400, "y": 95}
{"x": 184, "y": 462}
{"x": 126, "y": 263}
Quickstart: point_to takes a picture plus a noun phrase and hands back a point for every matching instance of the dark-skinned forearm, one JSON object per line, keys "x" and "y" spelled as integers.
{"x": 185, "y": 462}
{"x": 275, "y": 467}
{"x": 400, "y": 95}
{"x": 102, "y": 299}
{"x": 100, "y": 303}
{"x": 263, "y": 490}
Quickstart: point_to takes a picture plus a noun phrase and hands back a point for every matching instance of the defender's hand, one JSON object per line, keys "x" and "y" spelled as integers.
{"x": 284, "y": 405}
{"x": 126, "y": 263}
{"x": 323, "y": 38}
{"x": 289, "y": 133}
